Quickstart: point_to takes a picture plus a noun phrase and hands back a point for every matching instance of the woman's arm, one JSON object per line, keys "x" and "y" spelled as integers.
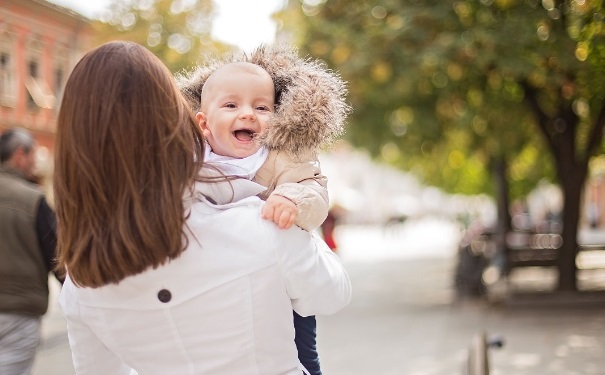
{"x": 316, "y": 280}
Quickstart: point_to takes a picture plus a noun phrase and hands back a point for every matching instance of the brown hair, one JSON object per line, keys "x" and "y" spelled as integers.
{"x": 127, "y": 151}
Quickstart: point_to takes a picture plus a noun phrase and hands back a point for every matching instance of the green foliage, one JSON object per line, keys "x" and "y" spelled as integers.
{"x": 177, "y": 31}
{"x": 440, "y": 87}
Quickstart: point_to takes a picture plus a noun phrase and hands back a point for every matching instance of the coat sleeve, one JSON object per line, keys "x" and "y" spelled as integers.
{"x": 90, "y": 356}
{"x": 316, "y": 280}
{"x": 303, "y": 183}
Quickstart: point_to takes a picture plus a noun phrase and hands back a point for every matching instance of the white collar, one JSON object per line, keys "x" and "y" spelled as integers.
{"x": 242, "y": 167}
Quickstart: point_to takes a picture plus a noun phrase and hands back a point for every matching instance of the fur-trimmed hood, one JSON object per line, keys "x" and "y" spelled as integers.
{"x": 311, "y": 107}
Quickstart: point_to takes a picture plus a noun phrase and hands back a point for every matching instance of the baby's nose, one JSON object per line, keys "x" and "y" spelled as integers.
{"x": 248, "y": 113}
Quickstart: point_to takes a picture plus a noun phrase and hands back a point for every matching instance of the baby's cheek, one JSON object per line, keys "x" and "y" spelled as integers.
{"x": 264, "y": 123}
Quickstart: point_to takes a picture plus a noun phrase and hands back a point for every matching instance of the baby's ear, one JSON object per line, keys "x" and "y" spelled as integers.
{"x": 201, "y": 120}
{"x": 203, "y": 124}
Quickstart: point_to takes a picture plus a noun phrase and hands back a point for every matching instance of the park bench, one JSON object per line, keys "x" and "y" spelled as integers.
{"x": 524, "y": 249}
{"x": 532, "y": 249}
{"x": 541, "y": 250}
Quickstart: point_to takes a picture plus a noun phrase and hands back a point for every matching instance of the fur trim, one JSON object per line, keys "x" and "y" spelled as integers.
{"x": 311, "y": 106}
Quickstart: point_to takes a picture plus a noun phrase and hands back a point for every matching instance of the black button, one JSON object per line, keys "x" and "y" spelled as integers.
{"x": 164, "y": 295}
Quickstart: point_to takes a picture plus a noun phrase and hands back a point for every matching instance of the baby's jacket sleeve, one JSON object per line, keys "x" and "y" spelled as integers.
{"x": 300, "y": 181}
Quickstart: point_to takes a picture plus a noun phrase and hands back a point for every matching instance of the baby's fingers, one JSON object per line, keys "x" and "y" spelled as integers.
{"x": 286, "y": 219}
{"x": 267, "y": 211}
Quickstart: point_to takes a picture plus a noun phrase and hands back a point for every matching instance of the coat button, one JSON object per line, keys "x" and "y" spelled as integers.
{"x": 164, "y": 295}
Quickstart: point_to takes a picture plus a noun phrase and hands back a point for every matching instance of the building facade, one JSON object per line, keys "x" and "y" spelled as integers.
{"x": 39, "y": 45}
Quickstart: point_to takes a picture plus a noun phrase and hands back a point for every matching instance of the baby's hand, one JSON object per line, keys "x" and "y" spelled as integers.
{"x": 280, "y": 210}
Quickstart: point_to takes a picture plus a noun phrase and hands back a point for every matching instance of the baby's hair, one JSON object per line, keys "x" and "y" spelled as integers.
{"x": 243, "y": 65}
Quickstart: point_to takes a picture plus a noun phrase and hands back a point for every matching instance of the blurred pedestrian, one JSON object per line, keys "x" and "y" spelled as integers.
{"x": 27, "y": 252}
{"x": 162, "y": 278}
{"x": 327, "y": 230}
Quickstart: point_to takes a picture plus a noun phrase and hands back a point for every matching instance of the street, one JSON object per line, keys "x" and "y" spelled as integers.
{"x": 404, "y": 317}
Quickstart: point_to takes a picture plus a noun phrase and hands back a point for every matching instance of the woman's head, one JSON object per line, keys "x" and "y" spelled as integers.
{"x": 127, "y": 150}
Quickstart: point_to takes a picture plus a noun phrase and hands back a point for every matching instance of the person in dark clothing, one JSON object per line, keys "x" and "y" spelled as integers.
{"x": 27, "y": 253}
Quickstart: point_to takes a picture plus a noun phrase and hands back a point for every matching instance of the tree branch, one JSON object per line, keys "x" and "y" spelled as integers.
{"x": 596, "y": 134}
{"x": 542, "y": 119}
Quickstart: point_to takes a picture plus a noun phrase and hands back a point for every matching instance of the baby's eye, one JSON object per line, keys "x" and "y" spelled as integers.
{"x": 229, "y": 105}
{"x": 263, "y": 108}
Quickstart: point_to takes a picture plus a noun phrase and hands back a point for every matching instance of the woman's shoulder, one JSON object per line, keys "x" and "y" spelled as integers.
{"x": 242, "y": 224}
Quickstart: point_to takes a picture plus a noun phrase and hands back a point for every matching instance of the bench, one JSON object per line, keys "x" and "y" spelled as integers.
{"x": 541, "y": 250}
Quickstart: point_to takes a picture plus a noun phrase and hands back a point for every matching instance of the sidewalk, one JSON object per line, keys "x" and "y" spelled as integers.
{"x": 54, "y": 355}
{"x": 404, "y": 319}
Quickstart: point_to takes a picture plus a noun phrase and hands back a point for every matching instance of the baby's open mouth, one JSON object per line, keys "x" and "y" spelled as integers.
{"x": 244, "y": 135}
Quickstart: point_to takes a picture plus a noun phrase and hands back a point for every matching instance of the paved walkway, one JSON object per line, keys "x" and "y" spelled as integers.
{"x": 404, "y": 319}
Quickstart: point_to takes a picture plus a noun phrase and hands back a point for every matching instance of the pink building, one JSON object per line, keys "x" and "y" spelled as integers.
{"x": 39, "y": 45}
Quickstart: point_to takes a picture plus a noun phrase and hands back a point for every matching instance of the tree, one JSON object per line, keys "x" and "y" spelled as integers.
{"x": 447, "y": 87}
{"x": 177, "y": 31}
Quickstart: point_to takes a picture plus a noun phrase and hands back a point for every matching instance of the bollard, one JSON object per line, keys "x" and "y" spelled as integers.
{"x": 478, "y": 358}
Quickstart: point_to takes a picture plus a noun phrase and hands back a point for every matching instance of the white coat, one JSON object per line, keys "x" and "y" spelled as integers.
{"x": 223, "y": 307}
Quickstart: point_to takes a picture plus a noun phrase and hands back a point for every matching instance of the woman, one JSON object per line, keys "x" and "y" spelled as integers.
{"x": 160, "y": 279}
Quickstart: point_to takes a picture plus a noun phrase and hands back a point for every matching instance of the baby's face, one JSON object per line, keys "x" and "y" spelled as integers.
{"x": 237, "y": 103}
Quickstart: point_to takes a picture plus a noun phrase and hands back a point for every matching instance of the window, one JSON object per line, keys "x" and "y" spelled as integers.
{"x": 59, "y": 73}
{"x": 8, "y": 90}
{"x": 58, "y": 80}
{"x": 38, "y": 93}
{"x": 30, "y": 83}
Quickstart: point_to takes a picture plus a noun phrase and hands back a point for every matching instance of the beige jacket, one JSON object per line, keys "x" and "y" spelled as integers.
{"x": 299, "y": 181}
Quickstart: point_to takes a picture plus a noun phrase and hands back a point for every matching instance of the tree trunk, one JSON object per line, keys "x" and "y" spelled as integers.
{"x": 503, "y": 226}
{"x": 560, "y": 134}
{"x": 571, "y": 172}
{"x": 572, "y": 186}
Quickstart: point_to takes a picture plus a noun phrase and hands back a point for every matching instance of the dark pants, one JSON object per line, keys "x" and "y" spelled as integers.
{"x": 306, "y": 344}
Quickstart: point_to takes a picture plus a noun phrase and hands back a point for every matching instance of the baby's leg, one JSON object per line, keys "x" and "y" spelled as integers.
{"x": 306, "y": 343}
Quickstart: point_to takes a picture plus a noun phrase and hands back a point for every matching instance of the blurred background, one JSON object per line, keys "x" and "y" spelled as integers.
{"x": 468, "y": 193}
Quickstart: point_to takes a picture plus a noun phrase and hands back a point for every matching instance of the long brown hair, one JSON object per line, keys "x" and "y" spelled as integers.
{"x": 127, "y": 151}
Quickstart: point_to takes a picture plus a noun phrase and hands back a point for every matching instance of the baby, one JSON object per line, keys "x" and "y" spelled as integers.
{"x": 237, "y": 103}
{"x": 264, "y": 119}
